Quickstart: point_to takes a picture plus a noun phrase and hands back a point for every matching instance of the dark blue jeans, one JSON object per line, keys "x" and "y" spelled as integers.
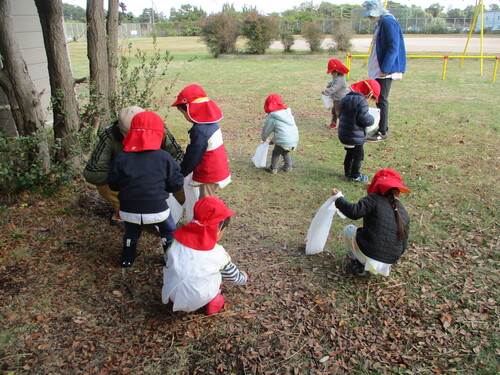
{"x": 133, "y": 232}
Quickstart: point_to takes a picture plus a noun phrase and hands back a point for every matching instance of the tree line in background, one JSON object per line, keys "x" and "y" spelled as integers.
{"x": 220, "y": 30}
{"x": 188, "y": 19}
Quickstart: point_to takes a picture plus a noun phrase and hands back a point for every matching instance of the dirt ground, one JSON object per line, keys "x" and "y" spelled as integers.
{"x": 419, "y": 44}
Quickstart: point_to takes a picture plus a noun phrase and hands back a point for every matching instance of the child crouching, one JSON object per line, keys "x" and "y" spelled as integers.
{"x": 382, "y": 239}
{"x": 196, "y": 264}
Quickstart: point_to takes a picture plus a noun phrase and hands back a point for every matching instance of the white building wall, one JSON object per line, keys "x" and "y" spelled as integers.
{"x": 29, "y": 35}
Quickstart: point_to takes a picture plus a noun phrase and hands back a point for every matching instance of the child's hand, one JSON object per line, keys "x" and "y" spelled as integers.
{"x": 335, "y": 191}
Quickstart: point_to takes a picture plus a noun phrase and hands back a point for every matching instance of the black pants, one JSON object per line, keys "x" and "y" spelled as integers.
{"x": 383, "y": 104}
{"x": 352, "y": 162}
{"x": 133, "y": 232}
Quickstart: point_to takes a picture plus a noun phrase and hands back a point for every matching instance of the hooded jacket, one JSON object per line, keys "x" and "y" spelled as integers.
{"x": 354, "y": 119}
{"x": 282, "y": 123}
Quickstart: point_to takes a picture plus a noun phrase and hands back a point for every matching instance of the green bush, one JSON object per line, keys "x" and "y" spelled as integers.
{"x": 343, "y": 34}
{"x": 19, "y": 171}
{"x": 313, "y": 35}
{"x": 220, "y": 33}
{"x": 138, "y": 81}
{"x": 259, "y": 30}
{"x": 287, "y": 39}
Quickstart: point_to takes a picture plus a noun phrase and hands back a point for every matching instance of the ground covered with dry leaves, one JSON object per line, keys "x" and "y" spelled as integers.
{"x": 67, "y": 307}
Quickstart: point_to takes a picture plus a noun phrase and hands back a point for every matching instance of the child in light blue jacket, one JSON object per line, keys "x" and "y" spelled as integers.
{"x": 281, "y": 122}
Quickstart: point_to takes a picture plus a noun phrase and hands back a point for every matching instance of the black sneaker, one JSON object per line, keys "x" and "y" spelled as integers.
{"x": 377, "y": 137}
{"x": 358, "y": 267}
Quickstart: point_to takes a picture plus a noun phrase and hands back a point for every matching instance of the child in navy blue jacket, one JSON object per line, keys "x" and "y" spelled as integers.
{"x": 354, "y": 119}
{"x": 144, "y": 175}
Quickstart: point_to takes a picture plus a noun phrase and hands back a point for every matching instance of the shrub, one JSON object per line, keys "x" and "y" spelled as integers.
{"x": 220, "y": 32}
{"x": 313, "y": 35}
{"x": 259, "y": 30}
{"x": 287, "y": 39}
{"x": 20, "y": 172}
{"x": 343, "y": 34}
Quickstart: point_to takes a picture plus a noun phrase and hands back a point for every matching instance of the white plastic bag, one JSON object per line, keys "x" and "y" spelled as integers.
{"x": 192, "y": 194}
{"x": 317, "y": 233}
{"x": 375, "y": 112}
{"x": 326, "y": 101}
{"x": 260, "y": 157}
{"x": 175, "y": 208}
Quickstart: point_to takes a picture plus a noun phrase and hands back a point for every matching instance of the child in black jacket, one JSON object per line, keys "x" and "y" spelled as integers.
{"x": 386, "y": 224}
{"x": 144, "y": 175}
{"x": 354, "y": 119}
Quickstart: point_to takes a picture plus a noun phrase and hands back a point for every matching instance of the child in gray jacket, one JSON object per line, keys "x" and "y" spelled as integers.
{"x": 281, "y": 122}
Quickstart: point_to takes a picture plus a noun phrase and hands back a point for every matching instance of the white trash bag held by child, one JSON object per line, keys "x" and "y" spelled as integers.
{"x": 326, "y": 101}
{"x": 317, "y": 233}
{"x": 375, "y": 112}
{"x": 192, "y": 194}
{"x": 175, "y": 208}
{"x": 260, "y": 157}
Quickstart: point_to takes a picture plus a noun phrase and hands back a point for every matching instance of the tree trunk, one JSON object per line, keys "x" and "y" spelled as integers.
{"x": 98, "y": 61}
{"x": 64, "y": 103}
{"x": 112, "y": 29}
{"x": 23, "y": 97}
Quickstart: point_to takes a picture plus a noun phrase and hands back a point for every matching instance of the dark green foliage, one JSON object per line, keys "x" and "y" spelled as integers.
{"x": 313, "y": 35}
{"x": 259, "y": 30}
{"x": 287, "y": 39}
{"x": 19, "y": 171}
{"x": 220, "y": 33}
{"x": 342, "y": 35}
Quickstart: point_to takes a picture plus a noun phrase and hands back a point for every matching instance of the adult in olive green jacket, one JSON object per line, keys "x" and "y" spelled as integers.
{"x": 108, "y": 148}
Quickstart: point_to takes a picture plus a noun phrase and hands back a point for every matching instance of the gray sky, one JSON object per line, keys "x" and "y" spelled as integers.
{"x": 265, "y": 6}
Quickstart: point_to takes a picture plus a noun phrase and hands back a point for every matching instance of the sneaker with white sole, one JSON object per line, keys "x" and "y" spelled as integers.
{"x": 377, "y": 137}
{"x": 271, "y": 170}
{"x": 360, "y": 178}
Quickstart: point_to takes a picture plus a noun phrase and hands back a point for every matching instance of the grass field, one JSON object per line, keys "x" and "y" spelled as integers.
{"x": 67, "y": 307}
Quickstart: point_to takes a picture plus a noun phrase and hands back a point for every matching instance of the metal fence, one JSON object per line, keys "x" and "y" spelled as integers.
{"x": 76, "y": 31}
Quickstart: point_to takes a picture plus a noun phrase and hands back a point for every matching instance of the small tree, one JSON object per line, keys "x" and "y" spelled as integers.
{"x": 343, "y": 34}
{"x": 220, "y": 33}
{"x": 313, "y": 35}
{"x": 259, "y": 30}
{"x": 287, "y": 39}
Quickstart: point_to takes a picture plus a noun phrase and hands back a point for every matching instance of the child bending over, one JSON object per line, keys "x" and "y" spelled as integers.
{"x": 382, "y": 239}
{"x": 281, "y": 122}
{"x": 354, "y": 119}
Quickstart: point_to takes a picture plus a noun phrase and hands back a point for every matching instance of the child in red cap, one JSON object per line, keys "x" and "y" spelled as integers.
{"x": 144, "y": 175}
{"x": 382, "y": 240}
{"x": 196, "y": 264}
{"x": 336, "y": 89}
{"x": 205, "y": 155}
{"x": 354, "y": 119}
{"x": 281, "y": 122}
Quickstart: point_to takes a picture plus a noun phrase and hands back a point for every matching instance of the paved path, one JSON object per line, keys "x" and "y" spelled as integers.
{"x": 414, "y": 45}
